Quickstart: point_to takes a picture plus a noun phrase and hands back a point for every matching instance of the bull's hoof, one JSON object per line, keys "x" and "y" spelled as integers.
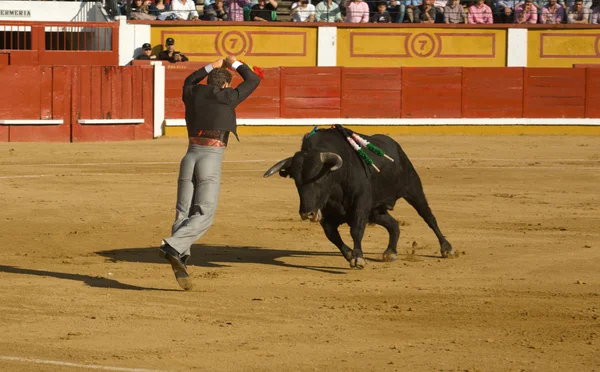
{"x": 446, "y": 250}
{"x": 389, "y": 256}
{"x": 347, "y": 254}
{"x": 358, "y": 263}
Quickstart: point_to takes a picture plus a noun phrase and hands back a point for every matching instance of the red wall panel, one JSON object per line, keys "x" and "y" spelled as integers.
{"x": 112, "y": 93}
{"x": 174, "y": 77}
{"x": 431, "y": 92}
{"x": 592, "y": 93}
{"x": 554, "y": 93}
{"x": 21, "y": 87}
{"x": 492, "y": 92}
{"x": 371, "y": 93}
{"x": 265, "y": 102}
{"x": 310, "y": 92}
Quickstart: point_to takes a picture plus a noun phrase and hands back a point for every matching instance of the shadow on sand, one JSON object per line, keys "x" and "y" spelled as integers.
{"x": 222, "y": 256}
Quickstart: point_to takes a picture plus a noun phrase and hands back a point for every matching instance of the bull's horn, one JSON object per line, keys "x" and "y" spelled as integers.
{"x": 332, "y": 158}
{"x": 283, "y": 164}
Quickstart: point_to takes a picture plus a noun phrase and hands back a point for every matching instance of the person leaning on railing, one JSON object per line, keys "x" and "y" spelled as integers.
{"x": 526, "y": 13}
{"x": 382, "y": 15}
{"x": 158, "y": 7}
{"x": 578, "y": 13}
{"x": 139, "y": 9}
{"x": 184, "y": 10}
{"x": 328, "y": 11}
{"x": 552, "y": 13}
{"x": 263, "y": 11}
{"x": 397, "y": 10}
{"x": 302, "y": 11}
{"x": 425, "y": 13}
{"x": 357, "y": 11}
{"x": 454, "y": 13}
{"x": 479, "y": 13}
{"x": 595, "y": 16}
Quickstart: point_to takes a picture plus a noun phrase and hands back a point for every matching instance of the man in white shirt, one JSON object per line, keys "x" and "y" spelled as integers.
{"x": 302, "y": 11}
{"x": 184, "y": 10}
{"x": 328, "y": 11}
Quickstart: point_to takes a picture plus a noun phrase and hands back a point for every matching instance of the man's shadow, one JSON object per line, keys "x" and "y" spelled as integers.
{"x": 92, "y": 281}
{"x": 222, "y": 256}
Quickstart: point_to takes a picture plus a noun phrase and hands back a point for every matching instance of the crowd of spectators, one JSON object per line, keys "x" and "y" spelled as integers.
{"x": 373, "y": 11}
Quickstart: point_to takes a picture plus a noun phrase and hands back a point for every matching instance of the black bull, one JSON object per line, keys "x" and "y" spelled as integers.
{"x": 336, "y": 187}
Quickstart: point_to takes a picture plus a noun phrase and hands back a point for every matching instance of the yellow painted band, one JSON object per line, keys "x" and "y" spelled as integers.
{"x": 414, "y": 129}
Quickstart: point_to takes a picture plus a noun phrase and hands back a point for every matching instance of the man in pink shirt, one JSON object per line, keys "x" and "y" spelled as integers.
{"x": 553, "y": 13}
{"x": 357, "y": 11}
{"x": 526, "y": 12}
{"x": 479, "y": 13}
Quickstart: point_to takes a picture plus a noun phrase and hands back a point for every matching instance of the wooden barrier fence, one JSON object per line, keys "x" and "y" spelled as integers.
{"x": 410, "y": 92}
{"x": 76, "y": 103}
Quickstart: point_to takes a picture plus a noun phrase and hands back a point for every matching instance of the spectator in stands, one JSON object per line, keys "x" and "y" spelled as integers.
{"x": 439, "y": 6}
{"x": 357, "y": 11}
{"x": 328, "y": 11}
{"x": 216, "y": 12}
{"x": 539, "y": 6}
{"x": 506, "y": 8}
{"x": 146, "y": 53}
{"x": 479, "y": 13}
{"x": 184, "y": 10}
{"x": 552, "y": 13}
{"x": 302, "y": 11}
{"x": 158, "y": 7}
{"x": 425, "y": 13}
{"x": 526, "y": 13}
{"x": 411, "y": 5}
{"x": 454, "y": 13}
{"x": 169, "y": 54}
{"x": 236, "y": 9}
{"x": 139, "y": 9}
{"x": 397, "y": 9}
{"x": 262, "y": 11}
{"x": 382, "y": 15}
{"x": 578, "y": 13}
{"x": 570, "y": 3}
{"x": 596, "y": 15}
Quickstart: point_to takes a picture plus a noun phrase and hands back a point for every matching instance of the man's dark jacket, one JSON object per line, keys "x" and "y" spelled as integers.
{"x": 213, "y": 108}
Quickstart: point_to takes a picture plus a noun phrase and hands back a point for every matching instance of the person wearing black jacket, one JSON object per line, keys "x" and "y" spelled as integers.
{"x": 209, "y": 118}
{"x": 169, "y": 54}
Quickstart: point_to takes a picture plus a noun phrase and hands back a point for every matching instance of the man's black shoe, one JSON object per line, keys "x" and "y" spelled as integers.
{"x": 179, "y": 269}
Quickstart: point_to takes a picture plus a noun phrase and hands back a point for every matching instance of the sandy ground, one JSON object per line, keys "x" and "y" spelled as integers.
{"x": 81, "y": 283}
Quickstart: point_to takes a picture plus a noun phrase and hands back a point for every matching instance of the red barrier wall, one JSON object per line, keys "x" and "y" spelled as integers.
{"x": 72, "y": 93}
{"x": 368, "y": 92}
{"x": 554, "y": 93}
{"x": 411, "y": 92}
{"x": 492, "y": 92}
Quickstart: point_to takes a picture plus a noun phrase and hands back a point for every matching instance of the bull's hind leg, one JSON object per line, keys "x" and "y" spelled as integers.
{"x": 392, "y": 227}
{"x": 418, "y": 200}
{"x": 332, "y": 233}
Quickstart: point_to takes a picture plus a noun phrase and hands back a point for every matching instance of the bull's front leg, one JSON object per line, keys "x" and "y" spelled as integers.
{"x": 332, "y": 233}
{"x": 357, "y": 231}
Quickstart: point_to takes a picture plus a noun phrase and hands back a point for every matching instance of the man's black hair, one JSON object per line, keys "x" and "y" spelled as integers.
{"x": 219, "y": 76}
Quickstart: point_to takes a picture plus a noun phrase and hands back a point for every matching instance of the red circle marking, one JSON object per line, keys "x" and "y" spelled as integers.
{"x": 414, "y": 40}
{"x": 233, "y": 52}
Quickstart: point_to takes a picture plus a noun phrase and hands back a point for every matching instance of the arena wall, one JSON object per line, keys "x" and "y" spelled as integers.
{"x": 76, "y": 103}
{"x": 553, "y": 100}
{"x": 383, "y": 45}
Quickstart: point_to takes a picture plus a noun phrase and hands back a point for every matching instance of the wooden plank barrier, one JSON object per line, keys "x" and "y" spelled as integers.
{"x": 592, "y": 93}
{"x": 310, "y": 92}
{"x": 492, "y": 92}
{"x": 554, "y": 93}
{"x": 76, "y": 103}
{"x": 374, "y": 92}
{"x": 431, "y": 92}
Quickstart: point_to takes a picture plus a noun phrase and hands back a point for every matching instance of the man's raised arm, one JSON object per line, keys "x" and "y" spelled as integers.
{"x": 199, "y": 75}
{"x": 250, "y": 83}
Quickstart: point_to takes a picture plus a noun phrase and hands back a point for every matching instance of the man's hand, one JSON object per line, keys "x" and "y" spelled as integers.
{"x": 218, "y": 63}
{"x": 177, "y": 57}
{"x": 230, "y": 60}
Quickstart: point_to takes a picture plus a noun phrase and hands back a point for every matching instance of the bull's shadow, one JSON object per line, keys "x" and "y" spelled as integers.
{"x": 223, "y": 255}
